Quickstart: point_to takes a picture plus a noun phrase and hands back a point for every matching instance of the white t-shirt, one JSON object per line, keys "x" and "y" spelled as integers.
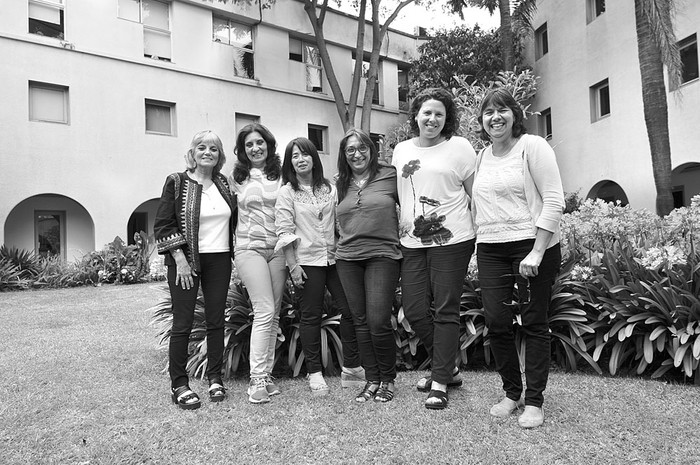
{"x": 214, "y": 216}
{"x": 431, "y": 192}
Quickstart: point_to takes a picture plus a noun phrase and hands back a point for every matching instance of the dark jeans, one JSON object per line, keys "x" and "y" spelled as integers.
{"x": 370, "y": 286}
{"x": 214, "y": 276}
{"x": 495, "y": 261}
{"x": 311, "y": 298}
{"x": 436, "y": 275}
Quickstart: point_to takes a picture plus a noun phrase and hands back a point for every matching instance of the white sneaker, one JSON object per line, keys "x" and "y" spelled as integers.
{"x": 352, "y": 377}
{"x": 257, "y": 391}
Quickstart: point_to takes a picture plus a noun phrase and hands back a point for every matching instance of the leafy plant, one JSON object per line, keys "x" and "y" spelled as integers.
{"x": 28, "y": 263}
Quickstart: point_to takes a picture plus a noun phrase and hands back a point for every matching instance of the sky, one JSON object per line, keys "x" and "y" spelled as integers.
{"x": 433, "y": 17}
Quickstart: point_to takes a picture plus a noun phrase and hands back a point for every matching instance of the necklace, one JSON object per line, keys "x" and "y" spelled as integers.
{"x": 319, "y": 208}
{"x": 360, "y": 182}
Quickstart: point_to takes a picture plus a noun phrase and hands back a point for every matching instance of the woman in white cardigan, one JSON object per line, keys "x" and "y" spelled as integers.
{"x": 517, "y": 202}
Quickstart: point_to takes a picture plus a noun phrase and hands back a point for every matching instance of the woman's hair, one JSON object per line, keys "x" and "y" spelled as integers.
{"x": 272, "y": 168}
{"x": 190, "y": 162}
{"x": 451, "y": 114}
{"x": 344, "y": 171}
{"x": 288, "y": 173}
{"x": 501, "y": 97}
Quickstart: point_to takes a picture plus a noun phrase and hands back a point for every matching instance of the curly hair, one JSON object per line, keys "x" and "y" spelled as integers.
{"x": 190, "y": 162}
{"x": 499, "y": 98}
{"x": 344, "y": 171}
{"x": 451, "y": 114}
{"x": 273, "y": 165}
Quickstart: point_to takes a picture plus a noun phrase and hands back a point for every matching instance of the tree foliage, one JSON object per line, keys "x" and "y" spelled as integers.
{"x": 463, "y": 51}
{"x": 516, "y": 22}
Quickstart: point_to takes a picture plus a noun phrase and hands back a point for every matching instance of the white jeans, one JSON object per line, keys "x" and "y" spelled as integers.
{"x": 264, "y": 274}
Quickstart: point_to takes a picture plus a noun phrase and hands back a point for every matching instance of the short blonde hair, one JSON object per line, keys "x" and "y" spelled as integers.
{"x": 190, "y": 163}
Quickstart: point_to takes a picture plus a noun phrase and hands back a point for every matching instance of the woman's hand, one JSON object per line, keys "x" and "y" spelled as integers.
{"x": 529, "y": 266}
{"x": 185, "y": 274}
{"x": 298, "y": 276}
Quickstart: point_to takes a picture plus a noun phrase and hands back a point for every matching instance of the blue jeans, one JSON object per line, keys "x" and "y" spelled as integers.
{"x": 264, "y": 274}
{"x": 311, "y": 297}
{"x": 214, "y": 275}
{"x": 370, "y": 286}
{"x": 496, "y": 262}
{"x": 436, "y": 275}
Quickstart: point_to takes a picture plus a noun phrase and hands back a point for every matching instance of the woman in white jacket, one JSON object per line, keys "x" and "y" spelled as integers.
{"x": 517, "y": 203}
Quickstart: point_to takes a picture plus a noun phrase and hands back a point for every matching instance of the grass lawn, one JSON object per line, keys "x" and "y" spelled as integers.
{"x": 83, "y": 384}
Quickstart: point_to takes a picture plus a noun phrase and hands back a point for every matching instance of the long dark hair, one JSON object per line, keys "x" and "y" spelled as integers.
{"x": 451, "y": 114}
{"x": 344, "y": 171}
{"x": 288, "y": 173}
{"x": 501, "y": 97}
{"x": 272, "y": 170}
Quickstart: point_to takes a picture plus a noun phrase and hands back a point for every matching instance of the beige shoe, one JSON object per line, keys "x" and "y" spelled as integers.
{"x": 317, "y": 385}
{"x": 532, "y": 417}
{"x": 504, "y": 408}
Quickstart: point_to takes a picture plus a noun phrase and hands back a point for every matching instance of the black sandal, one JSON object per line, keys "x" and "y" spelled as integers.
{"x": 437, "y": 400}
{"x": 385, "y": 393}
{"x": 370, "y": 389}
{"x": 185, "y": 398}
{"x": 425, "y": 384}
{"x": 217, "y": 392}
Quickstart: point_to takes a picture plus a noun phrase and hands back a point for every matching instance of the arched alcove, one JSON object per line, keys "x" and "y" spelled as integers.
{"x": 607, "y": 190}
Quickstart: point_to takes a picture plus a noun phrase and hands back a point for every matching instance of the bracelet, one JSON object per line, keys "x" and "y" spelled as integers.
{"x": 291, "y": 270}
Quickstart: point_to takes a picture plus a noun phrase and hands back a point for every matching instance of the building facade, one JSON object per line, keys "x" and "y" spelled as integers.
{"x": 100, "y": 99}
{"x": 590, "y": 100}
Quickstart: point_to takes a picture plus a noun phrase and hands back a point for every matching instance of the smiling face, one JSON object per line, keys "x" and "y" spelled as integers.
{"x": 431, "y": 119}
{"x": 206, "y": 154}
{"x": 357, "y": 155}
{"x": 302, "y": 162}
{"x": 497, "y": 121}
{"x": 256, "y": 149}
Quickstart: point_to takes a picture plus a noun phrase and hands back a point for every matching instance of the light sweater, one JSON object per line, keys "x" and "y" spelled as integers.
{"x": 541, "y": 183}
{"x": 257, "y": 196}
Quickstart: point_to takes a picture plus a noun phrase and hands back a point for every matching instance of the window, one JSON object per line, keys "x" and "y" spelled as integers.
{"x": 243, "y": 120}
{"x": 403, "y": 88}
{"x": 544, "y": 123}
{"x": 319, "y": 136}
{"x": 160, "y": 117}
{"x": 155, "y": 17}
{"x": 594, "y": 8}
{"x": 309, "y": 55}
{"x": 240, "y": 37}
{"x": 688, "y": 48}
{"x": 46, "y": 18}
{"x": 541, "y": 41}
{"x": 49, "y": 233}
{"x": 600, "y": 100}
{"x": 48, "y": 102}
{"x": 365, "y": 74}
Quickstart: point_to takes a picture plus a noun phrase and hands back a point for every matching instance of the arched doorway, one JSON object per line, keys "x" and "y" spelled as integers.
{"x": 685, "y": 180}
{"x": 51, "y": 224}
{"x": 610, "y": 191}
{"x": 142, "y": 219}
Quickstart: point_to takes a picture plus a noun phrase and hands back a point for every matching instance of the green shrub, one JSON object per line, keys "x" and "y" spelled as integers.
{"x": 28, "y": 263}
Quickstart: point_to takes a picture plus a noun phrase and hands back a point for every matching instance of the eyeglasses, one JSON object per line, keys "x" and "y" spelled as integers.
{"x": 523, "y": 297}
{"x": 353, "y": 150}
{"x": 359, "y": 191}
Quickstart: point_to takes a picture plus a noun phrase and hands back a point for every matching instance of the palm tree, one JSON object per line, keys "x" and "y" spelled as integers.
{"x": 656, "y": 46}
{"x": 516, "y": 21}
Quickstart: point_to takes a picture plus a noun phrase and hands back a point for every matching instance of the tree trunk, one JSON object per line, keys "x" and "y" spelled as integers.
{"x": 655, "y": 110}
{"x": 506, "y": 31}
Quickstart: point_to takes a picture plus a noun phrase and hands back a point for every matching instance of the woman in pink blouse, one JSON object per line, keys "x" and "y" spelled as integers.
{"x": 305, "y": 221}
